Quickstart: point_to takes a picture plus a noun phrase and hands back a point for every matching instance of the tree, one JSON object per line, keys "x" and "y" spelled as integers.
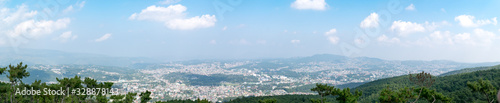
{"x": 2, "y": 70}
{"x": 16, "y": 73}
{"x": 422, "y": 80}
{"x": 484, "y": 87}
{"x": 127, "y": 98}
{"x": 345, "y": 95}
{"x": 130, "y": 97}
{"x": 432, "y": 96}
{"x": 206, "y": 101}
{"x": 145, "y": 96}
{"x": 389, "y": 96}
{"x": 268, "y": 101}
{"x": 323, "y": 90}
{"x": 3, "y": 88}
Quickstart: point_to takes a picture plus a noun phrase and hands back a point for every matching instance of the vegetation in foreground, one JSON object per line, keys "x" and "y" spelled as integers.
{"x": 479, "y": 86}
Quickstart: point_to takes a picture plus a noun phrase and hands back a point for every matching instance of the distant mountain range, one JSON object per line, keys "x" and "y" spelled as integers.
{"x": 53, "y": 57}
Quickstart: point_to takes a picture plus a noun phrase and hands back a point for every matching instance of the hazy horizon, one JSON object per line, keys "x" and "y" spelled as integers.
{"x": 178, "y": 30}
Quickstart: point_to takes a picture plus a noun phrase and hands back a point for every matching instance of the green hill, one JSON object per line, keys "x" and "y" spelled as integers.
{"x": 453, "y": 85}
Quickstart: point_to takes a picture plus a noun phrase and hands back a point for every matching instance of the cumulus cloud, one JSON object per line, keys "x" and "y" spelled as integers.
{"x": 174, "y": 17}
{"x": 469, "y": 21}
{"x": 485, "y": 36}
{"x": 66, "y": 36}
{"x": 309, "y": 4}
{"x": 431, "y": 26}
{"x": 371, "y": 21}
{"x": 404, "y": 27}
{"x": 331, "y": 32}
{"x": 19, "y": 25}
{"x": 192, "y": 23}
{"x": 167, "y": 2}
{"x": 8, "y": 17}
{"x": 442, "y": 37}
{"x": 36, "y": 29}
{"x": 295, "y": 41}
{"x": 386, "y": 39}
{"x": 331, "y": 37}
{"x": 478, "y": 37}
{"x": 104, "y": 37}
{"x": 411, "y": 7}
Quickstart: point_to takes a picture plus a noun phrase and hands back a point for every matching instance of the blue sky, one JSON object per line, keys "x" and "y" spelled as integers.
{"x": 458, "y": 30}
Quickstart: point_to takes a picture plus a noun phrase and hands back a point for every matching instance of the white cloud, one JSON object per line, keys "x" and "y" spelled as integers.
{"x": 499, "y": 30}
{"x": 104, "y": 37}
{"x": 166, "y": 2}
{"x": 173, "y": 17}
{"x": 469, "y": 21}
{"x": 478, "y": 37}
{"x": 18, "y": 25}
{"x": 22, "y": 13}
{"x": 371, "y": 21}
{"x": 192, "y": 23}
{"x": 433, "y": 25}
{"x": 330, "y": 37}
{"x": 411, "y": 7}
{"x": 386, "y": 39}
{"x": 463, "y": 38}
{"x": 443, "y": 10}
{"x": 66, "y": 36}
{"x": 485, "y": 36}
{"x": 295, "y": 41}
{"x": 404, "y": 28}
{"x": 309, "y": 4}
{"x": 36, "y": 29}
{"x": 157, "y": 13}
{"x": 333, "y": 39}
{"x": 224, "y": 28}
{"x": 331, "y": 32}
{"x": 441, "y": 37}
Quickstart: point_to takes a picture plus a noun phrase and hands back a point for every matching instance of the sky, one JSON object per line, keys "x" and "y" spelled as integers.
{"x": 458, "y": 30}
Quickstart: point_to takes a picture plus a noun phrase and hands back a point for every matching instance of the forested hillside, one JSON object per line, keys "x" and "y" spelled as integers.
{"x": 454, "y": 86}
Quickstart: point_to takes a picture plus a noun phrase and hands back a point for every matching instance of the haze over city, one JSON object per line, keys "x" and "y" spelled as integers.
{"x": 458, "y": 30}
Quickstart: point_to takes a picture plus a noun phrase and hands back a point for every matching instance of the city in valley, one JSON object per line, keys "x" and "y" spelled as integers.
{"x": 226, "y": 79}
